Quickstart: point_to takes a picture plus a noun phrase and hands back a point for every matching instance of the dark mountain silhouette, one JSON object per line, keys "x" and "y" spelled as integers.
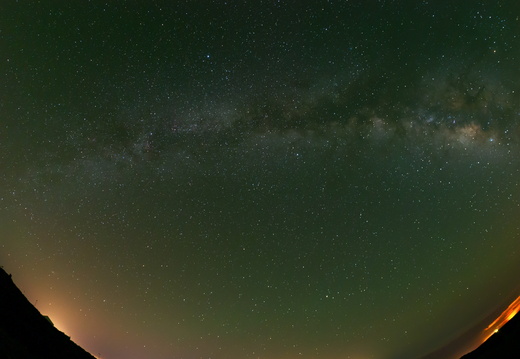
{"x": 25, "y": 333}
{"x": 497, "y": 335}
{"x": 504, "y": 344}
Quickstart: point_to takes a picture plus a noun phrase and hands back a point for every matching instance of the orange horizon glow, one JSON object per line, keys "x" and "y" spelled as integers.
{"x": 58, "y": 323}
{"x": 502, "y": 319}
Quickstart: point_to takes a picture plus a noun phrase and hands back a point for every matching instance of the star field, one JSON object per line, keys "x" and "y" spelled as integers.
{"x": 267, "y": 179}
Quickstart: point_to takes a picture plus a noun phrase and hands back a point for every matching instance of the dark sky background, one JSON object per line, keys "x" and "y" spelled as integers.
{"x": 261, "y": 179}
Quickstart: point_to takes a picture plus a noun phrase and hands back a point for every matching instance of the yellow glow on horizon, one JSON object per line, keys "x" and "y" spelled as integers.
{"x": 502, "y": 319}
{"x": 506, "y": 315}
{"x": 57, "y": 321}
{"x": 512, "y": 314}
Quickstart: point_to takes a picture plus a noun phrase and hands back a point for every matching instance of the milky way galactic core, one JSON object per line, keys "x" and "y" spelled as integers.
{"x": 267, "y": 179}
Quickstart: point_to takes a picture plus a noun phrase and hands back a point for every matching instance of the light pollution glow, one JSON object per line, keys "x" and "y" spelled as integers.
{"x": 502, "y": 319}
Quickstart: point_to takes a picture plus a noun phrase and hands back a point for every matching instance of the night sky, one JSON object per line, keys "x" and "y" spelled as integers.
{"x": 261, "y": 179}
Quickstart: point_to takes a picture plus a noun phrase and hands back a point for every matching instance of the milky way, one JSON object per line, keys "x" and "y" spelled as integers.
{"x": 261, "y": 180}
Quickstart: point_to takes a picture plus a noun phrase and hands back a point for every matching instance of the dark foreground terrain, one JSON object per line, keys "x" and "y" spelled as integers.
{"x": 25, "y": 333}
{"x": 505, "y": 344}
